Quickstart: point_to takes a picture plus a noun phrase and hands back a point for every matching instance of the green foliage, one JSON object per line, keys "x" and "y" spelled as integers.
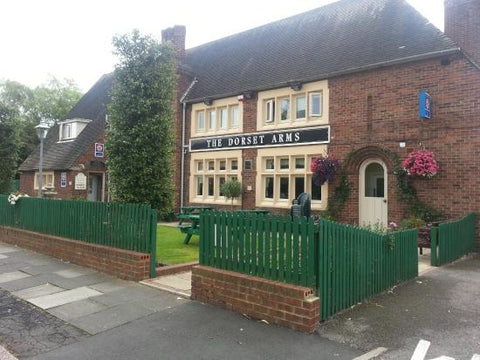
{"x": 412, "y": 223}
{"x": 339, "y": 197}
{"x": 23, "y": 108}
{"x": 231, "y": 189}
{"x": 8, "y": 154}
{"x": 140, "y": 136}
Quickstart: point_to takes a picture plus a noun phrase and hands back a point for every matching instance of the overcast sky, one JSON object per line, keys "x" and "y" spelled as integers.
{"x": 72, "y": 40}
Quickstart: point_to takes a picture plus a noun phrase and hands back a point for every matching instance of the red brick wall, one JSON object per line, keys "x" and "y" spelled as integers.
{"x": 391, "y": 116}
{"x": 128, "y": 265}
{"x": 278, "y": 303}
{"x": 462, "y": 25}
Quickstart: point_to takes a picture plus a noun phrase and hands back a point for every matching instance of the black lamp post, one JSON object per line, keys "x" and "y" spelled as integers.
{"x": 41, "y": 130}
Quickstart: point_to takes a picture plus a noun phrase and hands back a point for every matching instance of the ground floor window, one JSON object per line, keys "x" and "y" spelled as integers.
{"x": 47, "y": 180}
{"x": 209, "y": 171}
{"x": 284, "y": 173}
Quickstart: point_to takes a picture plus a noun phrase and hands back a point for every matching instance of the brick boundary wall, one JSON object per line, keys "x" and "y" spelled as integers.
{"x": 124, "y": 264}
{"x": 287, "y": 305}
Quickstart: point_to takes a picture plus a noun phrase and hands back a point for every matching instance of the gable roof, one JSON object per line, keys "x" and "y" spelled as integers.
{"x": 62, "y": 155}
{"x": 345, "y": 36}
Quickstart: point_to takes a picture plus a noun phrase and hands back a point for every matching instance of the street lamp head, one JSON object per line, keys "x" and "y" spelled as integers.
{"x": 41, "y": 130}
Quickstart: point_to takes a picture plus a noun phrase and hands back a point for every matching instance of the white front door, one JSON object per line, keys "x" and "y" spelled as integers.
{"x": 373, "y": 205}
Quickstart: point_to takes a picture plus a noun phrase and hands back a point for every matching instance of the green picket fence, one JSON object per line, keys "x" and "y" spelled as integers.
{"x": 451, "y": 240}
{"x": 123, "y": 226}
{"x": 354, "y": 263}
{"x": 272, "y": 247}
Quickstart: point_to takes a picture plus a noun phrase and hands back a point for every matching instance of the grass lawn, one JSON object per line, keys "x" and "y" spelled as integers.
{"x": 170, "y": 247}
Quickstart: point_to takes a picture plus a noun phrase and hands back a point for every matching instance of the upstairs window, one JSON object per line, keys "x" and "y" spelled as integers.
{"x": 223, "y": 116}
{"x": 201, "y": 120}
{"x": 270, "y": 111}
{"x": 292, "y": 107}
{"x": 70, "y": 129}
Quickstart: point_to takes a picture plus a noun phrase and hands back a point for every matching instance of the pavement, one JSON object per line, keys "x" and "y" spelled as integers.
{"x": 50, "y": 309}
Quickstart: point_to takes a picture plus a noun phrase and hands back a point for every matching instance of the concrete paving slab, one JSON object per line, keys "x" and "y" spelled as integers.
{"x": 4, "y": 249}
{"x": 29, "y": 282}
{"x": 77, "y": 309}
{"x": 37, "y": 291}
{"x": 49, "y": 268}
{"x": 73, "y": 273}
{"x": 84, "y": 280}
{"x": 175, "y": 281}
{"x": 110, "y": 318}
{"x": 64, "y": 297}
{"x": 113, "y": 285}
{"x": 12, "y": 276}
{"x": 128, "y": 295}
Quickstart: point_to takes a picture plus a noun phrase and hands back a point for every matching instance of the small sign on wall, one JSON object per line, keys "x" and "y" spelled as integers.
{"x": 63, "y": 180}
{"x": 425, "y": 105}
{"x": 80, "y": 182}
{"x": 99, "y": 149}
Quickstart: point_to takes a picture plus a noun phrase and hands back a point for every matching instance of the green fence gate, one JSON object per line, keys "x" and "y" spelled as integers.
{"x": 355, "y": 263}
{"x": 451, "y": 240}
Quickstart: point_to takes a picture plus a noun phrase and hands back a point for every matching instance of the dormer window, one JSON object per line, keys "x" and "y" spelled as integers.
{"x": 70, "y": 129}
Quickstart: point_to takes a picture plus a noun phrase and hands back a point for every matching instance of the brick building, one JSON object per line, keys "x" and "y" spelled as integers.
{"x": 344, "y": 79}
{"x": 74, "y": 164}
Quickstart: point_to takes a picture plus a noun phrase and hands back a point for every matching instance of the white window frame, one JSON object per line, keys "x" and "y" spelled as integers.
{"x": 271, "y": 102}
{"x": 200, "y": 120}
{"x": 217, "y": 158}
{"x": 228, "y": 117}
{"x": 223, "y": 115}
{"x": 310, "y": 108}
{"x": 234, "y": 116}
{"x": 76, "y": 126}
{"x": 292, "y": 153}
{"x": 270, "y": 111}
{"x": 45, "y": 183}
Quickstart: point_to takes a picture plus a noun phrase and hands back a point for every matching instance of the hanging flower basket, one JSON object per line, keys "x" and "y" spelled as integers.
{"x": 324, "y": 169}
{"x": 421, "y": 163}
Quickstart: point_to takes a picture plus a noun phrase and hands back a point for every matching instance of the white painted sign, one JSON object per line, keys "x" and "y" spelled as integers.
{"x": 422, "y": 348}
{"x": 80, "y": 182}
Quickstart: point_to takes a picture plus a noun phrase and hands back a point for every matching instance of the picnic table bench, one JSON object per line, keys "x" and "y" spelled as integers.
{"x": 190, "y": 214}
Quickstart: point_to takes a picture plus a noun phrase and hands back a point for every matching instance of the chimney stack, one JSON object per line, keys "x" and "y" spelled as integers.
{"x": 462, "y": 25}
{"x": 176, "y": 35}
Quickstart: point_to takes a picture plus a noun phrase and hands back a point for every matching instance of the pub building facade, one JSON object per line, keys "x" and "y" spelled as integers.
{"x": 351, "y": 79}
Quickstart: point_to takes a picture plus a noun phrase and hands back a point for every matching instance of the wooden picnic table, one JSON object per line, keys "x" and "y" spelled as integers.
{"x": 191, "y": 214}
{"x": 191, "y": 210}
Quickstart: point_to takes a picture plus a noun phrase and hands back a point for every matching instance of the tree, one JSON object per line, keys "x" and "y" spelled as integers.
{"x": 25, "y": 107}
{"x": 8, "y": 149}
{"x": 232, "y": 189}
{"x": 140, "y": 134}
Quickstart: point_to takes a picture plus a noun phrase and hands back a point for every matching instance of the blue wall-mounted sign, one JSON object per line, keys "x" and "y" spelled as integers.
{"x": 63, "y": 180}
{"x": 425, "y": 105}
{"x": 99, "y": 149}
